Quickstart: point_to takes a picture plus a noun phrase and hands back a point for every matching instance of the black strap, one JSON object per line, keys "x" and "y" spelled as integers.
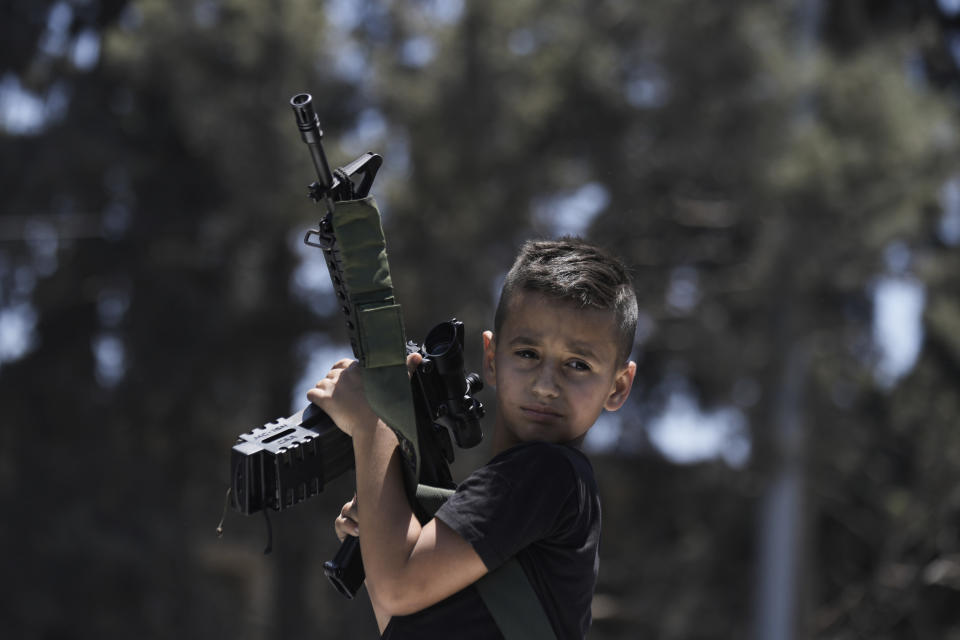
{"x": 514, "y": 604}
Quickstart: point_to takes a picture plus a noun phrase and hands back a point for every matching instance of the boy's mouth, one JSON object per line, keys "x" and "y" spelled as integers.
{"x": 540, "y": 413}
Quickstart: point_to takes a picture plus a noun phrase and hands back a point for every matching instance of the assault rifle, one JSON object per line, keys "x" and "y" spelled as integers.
{"x": 290, "y": 460}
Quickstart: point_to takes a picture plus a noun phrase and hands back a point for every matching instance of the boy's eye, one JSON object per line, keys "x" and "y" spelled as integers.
{"x": 525, "y": 353}
{"x": 579, "y": 365}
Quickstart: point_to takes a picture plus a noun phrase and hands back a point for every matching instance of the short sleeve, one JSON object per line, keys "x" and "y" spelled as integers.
{"x": 530, "y": 493}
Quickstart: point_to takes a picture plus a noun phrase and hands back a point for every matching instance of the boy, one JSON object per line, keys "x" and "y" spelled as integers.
{"x": 558, "y": 356}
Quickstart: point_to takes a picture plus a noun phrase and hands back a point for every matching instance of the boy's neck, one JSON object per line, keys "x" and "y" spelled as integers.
{"x": 502, "y": 442}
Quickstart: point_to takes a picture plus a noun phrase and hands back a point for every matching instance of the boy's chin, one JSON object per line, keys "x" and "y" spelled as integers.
{"x": 539, "y": 432}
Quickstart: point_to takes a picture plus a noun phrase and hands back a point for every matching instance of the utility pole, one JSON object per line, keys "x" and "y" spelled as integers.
{"x": 782, "y": 522}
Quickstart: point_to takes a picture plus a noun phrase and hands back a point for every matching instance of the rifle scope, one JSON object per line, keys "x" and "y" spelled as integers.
{"x": 456, "y": 410}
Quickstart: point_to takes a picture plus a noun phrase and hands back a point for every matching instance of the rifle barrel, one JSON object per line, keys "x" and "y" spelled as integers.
{"x": 312, "y": 135}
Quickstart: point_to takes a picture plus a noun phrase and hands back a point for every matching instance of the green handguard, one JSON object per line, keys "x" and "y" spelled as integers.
{"x": 381, "y": 344}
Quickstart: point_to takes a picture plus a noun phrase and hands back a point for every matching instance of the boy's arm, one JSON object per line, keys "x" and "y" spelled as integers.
{"x": 409, "y": 567}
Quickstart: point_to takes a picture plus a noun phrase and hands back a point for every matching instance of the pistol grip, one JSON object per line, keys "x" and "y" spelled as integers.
{"x": 345, "y": 571}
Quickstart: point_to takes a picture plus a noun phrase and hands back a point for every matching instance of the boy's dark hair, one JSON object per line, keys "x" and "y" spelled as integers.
{"x": 576, "y": 271}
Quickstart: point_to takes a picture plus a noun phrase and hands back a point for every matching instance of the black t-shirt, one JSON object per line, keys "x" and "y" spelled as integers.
{"x": 535, "y": 501}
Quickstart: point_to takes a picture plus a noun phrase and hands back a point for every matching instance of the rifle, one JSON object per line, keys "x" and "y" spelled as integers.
{"x": 290, "y": 460}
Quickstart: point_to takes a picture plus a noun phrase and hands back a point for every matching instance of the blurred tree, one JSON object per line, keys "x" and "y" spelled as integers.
{"x": 165, "y": 327}
{"x": 152, "y": 187}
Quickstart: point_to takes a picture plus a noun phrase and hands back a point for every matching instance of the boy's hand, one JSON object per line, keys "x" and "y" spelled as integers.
{"x": 348, "y": 524}
{"x": 340, "y": 394}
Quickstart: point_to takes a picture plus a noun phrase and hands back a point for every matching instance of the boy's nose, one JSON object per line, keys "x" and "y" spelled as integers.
{"x": 545, "y": 383}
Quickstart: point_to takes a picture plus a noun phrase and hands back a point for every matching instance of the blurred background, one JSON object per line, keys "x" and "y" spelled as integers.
{"x": 782, "y": 178}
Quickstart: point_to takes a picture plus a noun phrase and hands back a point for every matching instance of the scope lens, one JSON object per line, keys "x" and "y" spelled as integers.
{"x": 438, "y": 349}
{"x": 440, "y": 339}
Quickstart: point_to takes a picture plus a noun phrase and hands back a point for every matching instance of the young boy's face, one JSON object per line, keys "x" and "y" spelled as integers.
{"x": 555, "y": 368}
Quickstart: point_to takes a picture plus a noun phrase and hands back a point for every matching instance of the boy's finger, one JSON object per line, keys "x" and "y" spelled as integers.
{"x": 343, "y": 363}
{"x": 413, "y": 361}
{"x": 347, "y": 526}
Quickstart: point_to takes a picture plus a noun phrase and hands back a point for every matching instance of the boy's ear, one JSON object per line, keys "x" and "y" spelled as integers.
{"x": 489, "y": 362}
{"x": 622, "y": 384}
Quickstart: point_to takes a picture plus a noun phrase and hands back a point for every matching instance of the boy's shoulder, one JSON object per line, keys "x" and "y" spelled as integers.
{"x": 544, "y": 459}
{"x": 531, "y": 492}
